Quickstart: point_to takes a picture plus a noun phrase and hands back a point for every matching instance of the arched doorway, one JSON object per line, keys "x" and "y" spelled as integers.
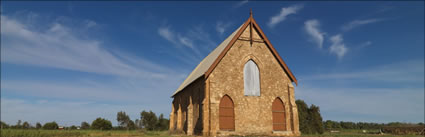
{"x": 226, "y": 114}
{"x": 279, "y": 120}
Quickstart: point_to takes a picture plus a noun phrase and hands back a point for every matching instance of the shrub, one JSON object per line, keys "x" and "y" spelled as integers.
{"x": 26, "y": 125}
{"x": 85, "y": 125}
{"x": 38, "y": 125}
{"x": 149, "y": 120}
{"x": 101, "y": 124}
{"x": 51, "y": 125}
{"x": 310, "y": 120}
{"x": 3, "y": 125}
{"x": 162, "y": 123}
{"x": 404, "y": 130}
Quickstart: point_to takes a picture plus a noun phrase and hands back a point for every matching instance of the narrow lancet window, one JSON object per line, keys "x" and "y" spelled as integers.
{"x": 251, "y": 76}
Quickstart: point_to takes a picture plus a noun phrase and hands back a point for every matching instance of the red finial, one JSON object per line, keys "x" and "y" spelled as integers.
{"x": 250, "y": 12}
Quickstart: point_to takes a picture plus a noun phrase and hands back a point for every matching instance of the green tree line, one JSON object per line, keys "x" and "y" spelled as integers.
{"x": 335, "y": 125}
{"x": 310, "y": 121}
{"x": 148, "y": 121}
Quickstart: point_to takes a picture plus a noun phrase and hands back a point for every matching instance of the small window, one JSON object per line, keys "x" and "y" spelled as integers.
{"x": 251, "y": 76}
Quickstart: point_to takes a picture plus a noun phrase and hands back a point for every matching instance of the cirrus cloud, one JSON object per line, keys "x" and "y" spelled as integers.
{"x": 312, "y": 28}
{"x": 284, "y": 12}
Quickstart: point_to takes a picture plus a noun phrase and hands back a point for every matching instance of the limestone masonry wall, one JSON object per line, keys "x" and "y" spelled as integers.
{"x": 195, "y": 110}
{"x": 253, "y": 114}
{"x": 186, "y": 114}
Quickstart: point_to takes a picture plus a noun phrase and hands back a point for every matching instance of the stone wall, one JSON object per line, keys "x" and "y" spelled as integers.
{"x": 187, "y": 115}
{"x": 253, "y": 114}
{"x": 195, "y": 109}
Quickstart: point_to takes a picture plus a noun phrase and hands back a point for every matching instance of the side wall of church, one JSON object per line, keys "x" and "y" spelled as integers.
{"x": 186, "y": 115}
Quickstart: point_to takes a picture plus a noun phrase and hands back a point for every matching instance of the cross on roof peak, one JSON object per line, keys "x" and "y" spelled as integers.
{"x": 250, "y": 12}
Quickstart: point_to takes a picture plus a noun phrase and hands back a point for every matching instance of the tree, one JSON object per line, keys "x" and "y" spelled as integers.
{"x": 18, "y": 124}
{"x": 73, "y": 127}
{"x": 162, "y": 123}
{"x": 303, "y": 116}
{"x": 26, "y": 125}
{"x": 38, "y": 125}
{"x": 348, "y": 125}
{"x": 131, "y": 125}
{"x": 123, "y": 119}
{"x": 310, "y": 120}
{"x": 137, "y": 123}
{"x": 328, "y": 124}
{"x": 101, "y": 124}
{"x": 50, "y": 125}
{"x": 85, "y": 125}
{"x": 4, "y": 125}
{"x": 315, "y": 119}
{"x": 336, "y": 125}
{"x": 149, "y": 120}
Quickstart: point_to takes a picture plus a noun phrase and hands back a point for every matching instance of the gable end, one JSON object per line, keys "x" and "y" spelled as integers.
{"x": 253, "y": 23}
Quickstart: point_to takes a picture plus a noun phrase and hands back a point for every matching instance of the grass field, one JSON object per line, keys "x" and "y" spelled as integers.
{"x": 358, "y": 133}
{"x": 80, "y": 133}
{"x": 137, "y": 133}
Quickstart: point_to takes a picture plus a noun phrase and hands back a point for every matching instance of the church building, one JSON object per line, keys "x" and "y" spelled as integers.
{"x": 243, "y": 87}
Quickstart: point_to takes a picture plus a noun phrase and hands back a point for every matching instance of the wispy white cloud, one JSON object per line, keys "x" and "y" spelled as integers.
{"x": 90, "y": 23}
{"x": 131, "y": 79}
{"x": 365, "y": 44}
{"x": 241, "y": 3}
{"x": 176, "y": 38}
{"x": 196, "y": 39}
{"x": 402, "y": 72}
{"x": 67, "y": 113}
{"x": 166, "y": 33}
{"x": 357, "y": 23}
{"x": 60, "y": 47}
{"x": 201, "y": 37}
{"x": 338, "y": 47}
{"x": 286, "y": 11}
{"x": 221, "y": 27}
{"x": 185, "y": 41}
{"x": 366, "y": 104}
{"x": 60, "y": 90}
{"x": 368, "y": 93}
{"x": 179, "y": 40}
{"x": 312, "y": 28}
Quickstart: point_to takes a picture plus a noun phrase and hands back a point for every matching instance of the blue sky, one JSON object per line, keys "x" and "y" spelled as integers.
{"x": 75, "y": 61}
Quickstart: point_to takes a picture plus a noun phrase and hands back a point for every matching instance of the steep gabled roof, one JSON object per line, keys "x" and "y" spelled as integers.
{"x": 209, "y": 63}
{"x": 206, "y": 63}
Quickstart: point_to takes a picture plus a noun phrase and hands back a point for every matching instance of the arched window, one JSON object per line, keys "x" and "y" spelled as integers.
{"x": 226, "y": 114}
{"x": 278, "y": 111}
{"x": 251, "y": 77}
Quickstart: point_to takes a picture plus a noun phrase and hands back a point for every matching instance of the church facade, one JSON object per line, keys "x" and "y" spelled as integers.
{"x": 243, "y": 87}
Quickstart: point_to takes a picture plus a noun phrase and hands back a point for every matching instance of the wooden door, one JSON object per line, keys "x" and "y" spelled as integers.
{"x": 279, "y": 120}
{"x": 226, "y": 114}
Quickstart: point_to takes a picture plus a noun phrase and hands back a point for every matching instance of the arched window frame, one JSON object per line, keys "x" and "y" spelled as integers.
{"x": 256, "y": 88}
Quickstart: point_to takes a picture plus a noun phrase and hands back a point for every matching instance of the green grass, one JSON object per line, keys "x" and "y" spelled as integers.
{"x": 138, "y": 133}
{"x": 357, "y": 133}
{"x": 80, "y": 133}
